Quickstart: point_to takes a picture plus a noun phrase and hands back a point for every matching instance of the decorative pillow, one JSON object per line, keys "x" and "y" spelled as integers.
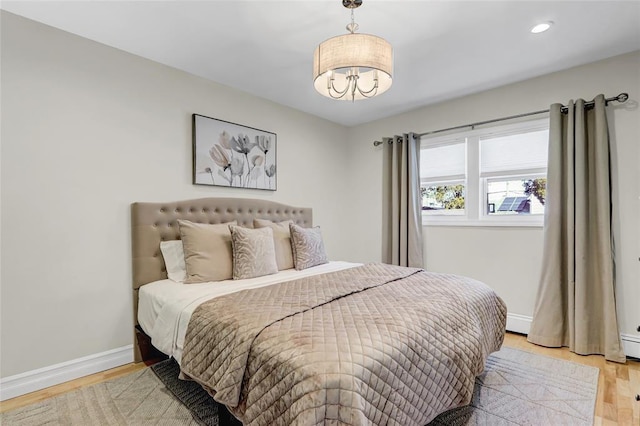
{"x": 307, "y": 246}
{"x": 281, "y": 240}
{"x": 173, "y": 255}
{"x": 207, "y": 251}
{"x": 254, "y": 253}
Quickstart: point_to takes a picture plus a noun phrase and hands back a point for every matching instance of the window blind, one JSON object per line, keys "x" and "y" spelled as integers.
{"x": 524, "y": 151}
{"x": 443, "y": 161}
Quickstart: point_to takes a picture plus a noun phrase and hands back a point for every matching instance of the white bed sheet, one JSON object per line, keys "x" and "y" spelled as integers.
{"x": 165, "y": 307}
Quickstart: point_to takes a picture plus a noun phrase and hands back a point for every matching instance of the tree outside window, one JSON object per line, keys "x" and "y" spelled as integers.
{"x": 537, "y": 188}
{"x": 448, "y": 197}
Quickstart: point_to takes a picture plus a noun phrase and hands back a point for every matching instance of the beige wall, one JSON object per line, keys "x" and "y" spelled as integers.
{"x": 512, "y": 264}
{"x": 87, "y": 130}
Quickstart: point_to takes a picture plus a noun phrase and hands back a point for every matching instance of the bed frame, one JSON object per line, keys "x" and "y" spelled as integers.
{"x": 152, "y": 223}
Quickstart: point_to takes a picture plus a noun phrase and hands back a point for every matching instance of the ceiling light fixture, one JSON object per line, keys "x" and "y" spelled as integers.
{"x": 353, "y": 66}
{"x": 540, "y": 28}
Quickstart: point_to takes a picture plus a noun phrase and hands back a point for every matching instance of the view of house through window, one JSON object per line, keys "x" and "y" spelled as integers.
{"x": 516, "y": 196}
{"x": 485, "y": 174}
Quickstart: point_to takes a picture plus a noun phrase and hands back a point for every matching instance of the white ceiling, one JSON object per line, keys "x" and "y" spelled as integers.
{"x": 442, "y": 49}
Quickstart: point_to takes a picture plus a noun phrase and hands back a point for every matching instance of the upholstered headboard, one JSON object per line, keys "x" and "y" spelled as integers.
{"x": 152, "y": 223}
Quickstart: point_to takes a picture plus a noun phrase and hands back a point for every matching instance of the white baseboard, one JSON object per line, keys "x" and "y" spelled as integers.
{"x": 631, "y": 345}
{"x": 522, "y": 324}
{"x": 519, "y": 323}
{"x": 34, "y": 380}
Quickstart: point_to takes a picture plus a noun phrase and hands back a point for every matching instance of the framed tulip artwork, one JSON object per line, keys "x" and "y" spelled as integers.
{"x": 232, "y": 155}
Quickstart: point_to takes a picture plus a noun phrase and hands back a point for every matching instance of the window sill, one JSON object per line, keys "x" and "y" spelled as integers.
{"x": 487, "y": 223}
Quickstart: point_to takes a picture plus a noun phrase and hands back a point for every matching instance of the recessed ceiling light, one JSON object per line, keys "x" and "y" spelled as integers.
{"x": 540, "y": 28}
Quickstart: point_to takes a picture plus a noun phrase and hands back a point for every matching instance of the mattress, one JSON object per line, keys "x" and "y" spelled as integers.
{"x": 165, "y": 307}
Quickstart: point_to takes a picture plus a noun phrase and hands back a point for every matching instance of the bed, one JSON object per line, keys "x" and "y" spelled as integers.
{"x": 336, "y": 343}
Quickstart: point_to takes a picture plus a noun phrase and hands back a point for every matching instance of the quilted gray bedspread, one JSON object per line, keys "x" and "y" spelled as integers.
{"x": 375, "y": 344}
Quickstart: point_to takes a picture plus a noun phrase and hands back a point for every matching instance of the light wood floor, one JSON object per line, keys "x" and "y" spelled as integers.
{"x": 615, "y": 405}
{"x": 43, "y": 394}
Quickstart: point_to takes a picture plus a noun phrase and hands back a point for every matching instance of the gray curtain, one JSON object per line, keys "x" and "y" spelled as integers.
{"x": 403, "y": 239}
{"x": 576, "y": 304}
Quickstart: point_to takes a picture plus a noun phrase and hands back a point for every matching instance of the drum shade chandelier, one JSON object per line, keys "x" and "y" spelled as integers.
{"x": 353, "y": 66}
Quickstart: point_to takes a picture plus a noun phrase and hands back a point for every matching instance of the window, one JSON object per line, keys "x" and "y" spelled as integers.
{"x": 442, "y": 178}
{"x": 489, "y": 176}
{"x": 516, "y": 196}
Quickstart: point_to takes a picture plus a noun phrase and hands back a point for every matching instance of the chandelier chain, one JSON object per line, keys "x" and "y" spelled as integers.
{"x": 352, "y": 27}
{"x": 353, "y": 22}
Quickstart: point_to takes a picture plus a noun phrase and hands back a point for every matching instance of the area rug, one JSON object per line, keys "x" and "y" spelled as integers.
{"x": 521, "y": 388}
{"x": 516, "y": 388}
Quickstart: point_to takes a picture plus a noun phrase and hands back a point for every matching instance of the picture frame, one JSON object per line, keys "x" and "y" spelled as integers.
{"x": 233, "y": 155}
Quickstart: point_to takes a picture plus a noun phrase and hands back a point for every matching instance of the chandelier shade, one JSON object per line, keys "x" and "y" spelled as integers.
{"x": 353, "y": 66}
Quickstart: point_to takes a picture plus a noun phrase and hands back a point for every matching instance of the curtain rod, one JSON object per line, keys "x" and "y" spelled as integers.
{"x": 622, "y": 97}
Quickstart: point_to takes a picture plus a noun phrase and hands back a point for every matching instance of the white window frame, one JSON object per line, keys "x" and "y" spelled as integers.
{"x": 444, "y": 216}
{"x": 475, "y": 213}
{"x": 531, "y": 219}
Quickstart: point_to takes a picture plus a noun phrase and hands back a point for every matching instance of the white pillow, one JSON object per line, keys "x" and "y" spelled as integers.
{"x": 173, "y": 255}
